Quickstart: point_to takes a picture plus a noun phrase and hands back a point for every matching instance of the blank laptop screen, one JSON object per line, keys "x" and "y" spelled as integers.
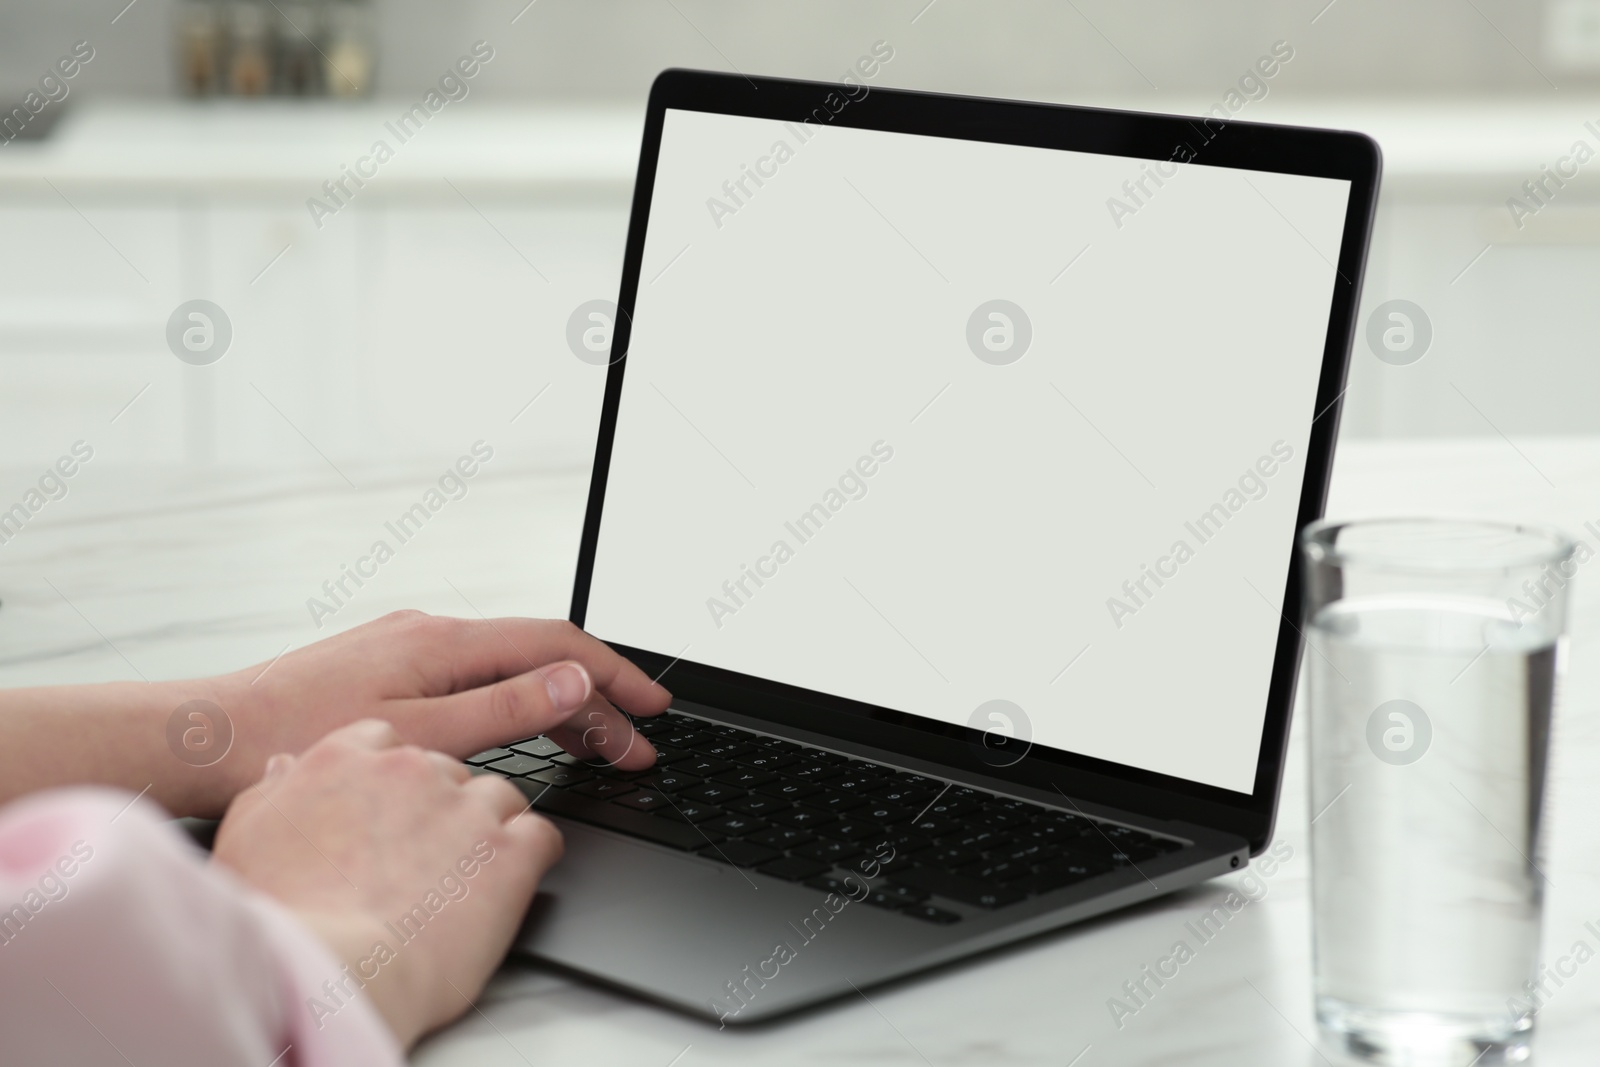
{"x": 931, "y": 423}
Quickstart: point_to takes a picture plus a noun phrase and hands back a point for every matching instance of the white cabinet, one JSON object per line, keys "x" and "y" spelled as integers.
{"x": 1516, "y": 334}
{"x": 405, "y": 328}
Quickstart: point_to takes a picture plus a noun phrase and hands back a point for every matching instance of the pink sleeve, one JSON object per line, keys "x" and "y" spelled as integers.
{"x": 119, "y": 944}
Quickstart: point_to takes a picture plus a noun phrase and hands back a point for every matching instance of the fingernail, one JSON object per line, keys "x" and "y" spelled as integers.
{"x": 569, "y": 686}
{"x": 277, "y": 764}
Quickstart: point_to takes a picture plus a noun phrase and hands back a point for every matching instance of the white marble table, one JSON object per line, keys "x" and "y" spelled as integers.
{"x": 176, "y": 572}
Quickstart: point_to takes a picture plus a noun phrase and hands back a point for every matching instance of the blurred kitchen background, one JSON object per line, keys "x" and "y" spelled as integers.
{"x": 428, "y": 306}
{"x": 442, "y": 292}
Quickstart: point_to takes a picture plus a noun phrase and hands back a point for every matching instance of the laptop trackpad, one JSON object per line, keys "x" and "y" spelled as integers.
{"x": 681, "y": 928}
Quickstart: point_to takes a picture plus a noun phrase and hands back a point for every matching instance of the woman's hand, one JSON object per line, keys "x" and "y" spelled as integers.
{"x": 415, "y": 874}
{"x": 455, "y": 685}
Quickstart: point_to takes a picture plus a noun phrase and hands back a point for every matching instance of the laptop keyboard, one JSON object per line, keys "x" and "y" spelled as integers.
{"x": 910, "y": 843}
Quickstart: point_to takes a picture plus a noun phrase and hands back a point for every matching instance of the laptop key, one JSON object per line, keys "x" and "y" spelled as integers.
{"x": 715, "y": 729}
{"x": 854, "y": 782}
{"x": 1045, "y": 833}
{"x": 1133, "y": 854}
{"x": 811, "y": 771}
{"x": 829, "y": 851}
{"x": 879, "y": 899}
{"x": 737, "y": 825}
{"x": 788, "y": 790}
{"x": 642, "y": 800}
{"x": 755, "y": 804}
{"x": 683, "y": 739}
{"x": 713, "y": 793}
{"x": 768, "y": 760}
{"x": 487, "y": 756}
{"x": 962, "y": 890}
{"x": 953, "y": 809}
{"x": 803, "y": 818}
{"x": 1049, "y": 877}
{"x": 614, "y": 817}
{"x": 845, "y": 887}
{"x": 670, "y": 781}
{"x": 726, "y": 749}
{"x": 880, "y": 861}
{"x": 906, "y": 843}
{"x": 996, "y": 871}
{"x": 947, "y": 857}
{"x": 704, "y": 766}
{"x": 904, "y": 894}
{"x": 1127, "y": 835}
{"x": 793, "y": 868}
{"x": 666, "y": 754}
{"x": 562, "y": 776}
{"x": 834, "y": 800}
{"x": 1094, "y": 846}
{"x": 1032, "y": 854}
{"x": 977, "y": 840}
{"x": 929, "y": 913}
{"x": 690, "y": 811}
{"x": 517, "y": 765}
{"x": 856, "y": 830}
{"x": 935, "y": 826}
{"x": 739, "y": 853}
{"x": 1001, "y": 820}
{"x": 744, "y": 777}
{"x": 602, "y": 789}
{"x": 886, "y": 814}
{"x": 611, "y": 770}
{"x": 782, "y": 837}
{"x": 1061, "y": 826}
{"x": 541, "y": 747}
{"x": 1074, "y": 866}
{"x": 894, "y": 793}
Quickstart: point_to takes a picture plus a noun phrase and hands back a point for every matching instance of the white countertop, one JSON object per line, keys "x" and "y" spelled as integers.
{"x": 1488, "y": 146}
{"x": 186, "y": 573}
{"x": 228, "y": 146}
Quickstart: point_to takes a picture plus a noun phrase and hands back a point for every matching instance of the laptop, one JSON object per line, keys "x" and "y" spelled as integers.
{"x": 950, "y": 463}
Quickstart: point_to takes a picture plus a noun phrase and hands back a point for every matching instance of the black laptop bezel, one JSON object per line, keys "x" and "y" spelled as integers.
{"x": 1289, "y": 150}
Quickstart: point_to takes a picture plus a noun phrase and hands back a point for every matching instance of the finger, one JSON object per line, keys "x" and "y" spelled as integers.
{"x": 497, "y": 794}
{"x": 575, "y": 734}
{"x": 540, "y": 837}
{"x": 487, "y": 650}
{"x": 272, "y": 775}
{"x": 450, "y": 767}
{"x": 527, "y": 705}
{"x": 278, "y": 765}
{"x": 364, "y": 733}
{"x": 600, "y": 731}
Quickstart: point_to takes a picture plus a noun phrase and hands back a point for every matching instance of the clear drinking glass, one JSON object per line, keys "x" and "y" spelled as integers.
{"x": 1435, "y": 648}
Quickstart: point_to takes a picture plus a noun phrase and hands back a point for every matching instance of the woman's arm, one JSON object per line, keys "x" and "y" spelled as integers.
{"x": 455, "y": 685}
{"x": 113, "y": 734}
{"x": 360, "y": 895}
